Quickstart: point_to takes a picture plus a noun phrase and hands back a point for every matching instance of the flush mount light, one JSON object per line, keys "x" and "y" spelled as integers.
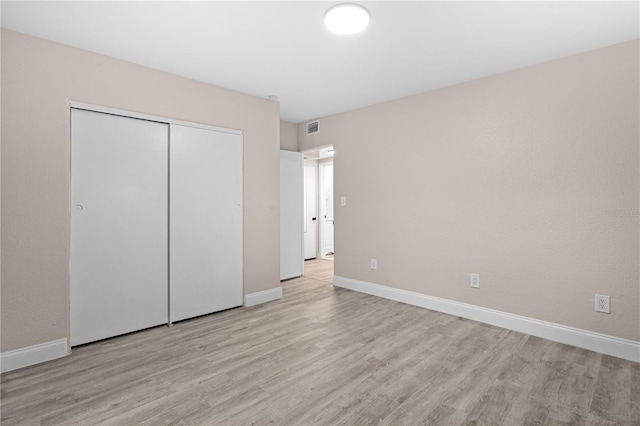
{"x": 346, "y": 18}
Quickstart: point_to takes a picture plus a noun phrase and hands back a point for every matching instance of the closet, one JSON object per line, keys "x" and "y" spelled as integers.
{"x": 156, "y": 223}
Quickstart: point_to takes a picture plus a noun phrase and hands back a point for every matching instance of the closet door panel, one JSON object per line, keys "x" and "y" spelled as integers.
{"x": 119, "y": 225}
{"x": 206, "y": 221}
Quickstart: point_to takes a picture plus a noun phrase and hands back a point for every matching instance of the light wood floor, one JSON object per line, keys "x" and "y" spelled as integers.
{"x": 319, "y": 269}
{"x": 324, "y": 355}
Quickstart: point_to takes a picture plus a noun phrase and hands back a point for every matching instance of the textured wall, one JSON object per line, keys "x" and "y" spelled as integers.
{"x": 288, "y": 136}
{"x": 529, "y": 178}
{"x": 39, "y": 79}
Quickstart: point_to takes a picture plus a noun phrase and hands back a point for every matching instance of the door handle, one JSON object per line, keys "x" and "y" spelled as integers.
{"x": 313, "y": 218}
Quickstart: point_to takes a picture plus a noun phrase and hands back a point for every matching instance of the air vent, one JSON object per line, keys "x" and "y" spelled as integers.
{"x": 313, "y": 127}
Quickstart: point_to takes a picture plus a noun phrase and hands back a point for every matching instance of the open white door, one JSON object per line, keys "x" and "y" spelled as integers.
{"x": 291, "y": 205}
{"x": 310, "y": 213}
{"x": 326, "y": 208}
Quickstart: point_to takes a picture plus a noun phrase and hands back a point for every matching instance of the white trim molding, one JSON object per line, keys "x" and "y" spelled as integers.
{"x": 265, "y": 296}
{"x": 148, "y": 117}
{"x": 610, "y": 345}
{"x": 24, "y": 357}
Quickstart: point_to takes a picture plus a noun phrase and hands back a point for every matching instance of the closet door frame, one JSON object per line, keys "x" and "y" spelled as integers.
{"x": 149, "y": 117}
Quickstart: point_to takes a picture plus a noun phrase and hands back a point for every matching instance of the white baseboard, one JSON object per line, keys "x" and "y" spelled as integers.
{"x": 24, "y": 357}
{"x": 602, "y": 343}
{"x": 265, "y": 296}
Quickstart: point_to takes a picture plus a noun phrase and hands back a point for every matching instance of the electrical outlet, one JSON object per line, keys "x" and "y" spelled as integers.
{"x": 475, "y": 280}
{"x": 343, "y": 201}
{"x": 374, "y": 263}
{"x": 603, "y": 303}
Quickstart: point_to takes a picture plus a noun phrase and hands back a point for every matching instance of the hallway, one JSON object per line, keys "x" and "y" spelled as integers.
{"x": 319, "y": 269}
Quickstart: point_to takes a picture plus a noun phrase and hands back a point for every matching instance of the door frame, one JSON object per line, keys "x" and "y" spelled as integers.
{"x": 317, "y": 162}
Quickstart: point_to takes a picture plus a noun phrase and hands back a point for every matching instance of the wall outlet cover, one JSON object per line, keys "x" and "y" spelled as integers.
{"x": 475, "y": 280}
{"x": 603, "y": 303}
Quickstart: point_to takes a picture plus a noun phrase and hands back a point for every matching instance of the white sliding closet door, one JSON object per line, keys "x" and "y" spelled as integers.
{"x": 206, "y": 221}
{"x": 119, "y": 225}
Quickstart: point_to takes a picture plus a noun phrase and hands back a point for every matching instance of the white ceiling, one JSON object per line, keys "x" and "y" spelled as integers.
{"x": 282, "y": 48}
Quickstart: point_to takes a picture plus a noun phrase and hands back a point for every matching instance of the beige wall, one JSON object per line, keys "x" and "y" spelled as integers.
{"x": 39, "y": 79}
{"x": 288, "y": 136}
{"x": 529, "y": 178}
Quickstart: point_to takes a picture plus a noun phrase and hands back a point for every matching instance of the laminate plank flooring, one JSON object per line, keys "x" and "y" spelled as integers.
{"x": 327, "y": 356}
{"x": 319, "y": 269}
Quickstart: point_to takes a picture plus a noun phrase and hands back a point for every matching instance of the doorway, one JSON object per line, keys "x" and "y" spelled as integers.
{"x": 318, "y": 204}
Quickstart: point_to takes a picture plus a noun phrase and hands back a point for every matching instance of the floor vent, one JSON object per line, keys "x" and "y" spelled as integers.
{"x": 313, "y": 127}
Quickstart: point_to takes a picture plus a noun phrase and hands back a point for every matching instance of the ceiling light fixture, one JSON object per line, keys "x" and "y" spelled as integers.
{"x": 347, "y": 18}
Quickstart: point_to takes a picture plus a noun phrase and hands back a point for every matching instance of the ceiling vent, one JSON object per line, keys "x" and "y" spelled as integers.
{"x": 313, "y": 127}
